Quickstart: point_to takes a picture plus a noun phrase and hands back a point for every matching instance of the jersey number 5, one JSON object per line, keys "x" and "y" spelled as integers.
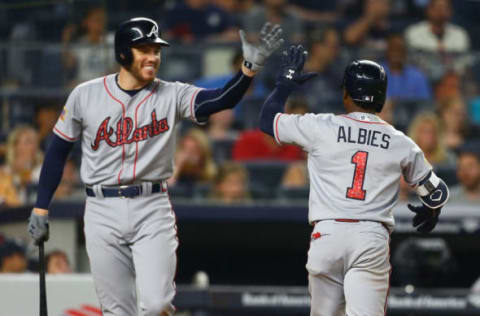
{"x": 356, "y": 191}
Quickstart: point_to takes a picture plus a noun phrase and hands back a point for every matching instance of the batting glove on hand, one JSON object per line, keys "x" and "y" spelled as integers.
{"x": 38, "y": 227}
{"x": 256, "y": 55}
{"x": 292, "y": 74}
{"x": 426, "y": 218}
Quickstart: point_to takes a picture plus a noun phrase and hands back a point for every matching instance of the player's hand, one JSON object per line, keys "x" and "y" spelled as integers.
{"x": 425, "y": 219}
{"x": 38, "y": 225}
{"x": 255, "y": 55}
{"x": 291, "y": 74}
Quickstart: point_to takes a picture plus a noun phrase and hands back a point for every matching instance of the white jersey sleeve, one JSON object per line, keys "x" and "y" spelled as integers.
{"x": 69, "y": 123}
{"x": 302, "y": 130}
{"x": 186, "y": 100}
{"x": 414, "y": 166}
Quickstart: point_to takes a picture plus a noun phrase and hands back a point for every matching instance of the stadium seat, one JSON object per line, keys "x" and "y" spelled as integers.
{"x": 265, "y": 177}
{"x": 293, "y": 194}
{"x": 222, "y": 149}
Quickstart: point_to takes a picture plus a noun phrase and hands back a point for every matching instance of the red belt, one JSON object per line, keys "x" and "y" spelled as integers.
{"x": 347, "y": 220}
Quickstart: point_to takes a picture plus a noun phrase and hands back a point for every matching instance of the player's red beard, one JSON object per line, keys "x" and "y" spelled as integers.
{"x": 145, "y": 72}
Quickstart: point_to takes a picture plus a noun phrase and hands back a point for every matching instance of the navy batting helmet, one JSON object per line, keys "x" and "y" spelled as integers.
{"x": 133, "y": 32}
{"x": 366, "y": 82}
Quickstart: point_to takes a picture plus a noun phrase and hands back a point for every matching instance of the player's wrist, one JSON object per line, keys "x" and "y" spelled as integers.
{"x": 247, "y": 71}
{"x": 40, "y": 211}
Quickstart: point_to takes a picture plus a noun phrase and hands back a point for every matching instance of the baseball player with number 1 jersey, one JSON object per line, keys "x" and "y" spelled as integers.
{"x": 355, "y": 162}
{"x": 126, "y": 125}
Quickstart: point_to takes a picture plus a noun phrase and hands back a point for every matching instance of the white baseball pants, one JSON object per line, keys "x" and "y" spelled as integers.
{"x": 131, "y": 244}
{"x": 349, "y": 268}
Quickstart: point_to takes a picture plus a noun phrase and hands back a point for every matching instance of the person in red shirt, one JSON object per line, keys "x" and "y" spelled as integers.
{"x": 256, "y": 145}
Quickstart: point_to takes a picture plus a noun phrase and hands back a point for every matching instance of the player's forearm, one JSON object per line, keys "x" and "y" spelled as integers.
{"x": 274, "y": 104}
{"x": 52, "y": 171}
{"x": 211, "y": 101}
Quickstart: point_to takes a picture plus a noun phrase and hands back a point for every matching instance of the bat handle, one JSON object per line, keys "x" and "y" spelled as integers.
{"x": 43, "y": 289}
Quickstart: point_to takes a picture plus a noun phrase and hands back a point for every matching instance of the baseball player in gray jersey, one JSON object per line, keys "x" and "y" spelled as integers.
{"x": 355, "y": 162}
{"x": 125, "y": 123}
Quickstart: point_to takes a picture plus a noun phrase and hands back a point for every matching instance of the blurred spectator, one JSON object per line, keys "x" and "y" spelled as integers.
{"x": 387, "y": 112}
{"x": 426, "y": 133}
{"x": 371, "y": 29}
{"x": 468, "y": 174}
{"x": 323, "y": 91}
{"x": 20, "y": 63}
{"x": 324, "y": 11}
{"x": 436, "y": 33}
{"x": 474, "y": 110}
{"x": 256, "y": 90}
{"x": 256, "y": 145}
{"x": 405, "y": 81}
{"x": 193, "y": 20}
{"x": 193, "y": 160}
{"x": 12, "y": 258}
{"x": 275, "y": 12}
{"x": 455, "y": 124}
{"x": 22, "y": 168}
{"x": 231, "y": 184}
{"x": 296, "y": 176}
{"x": 442, "y": 41}
{"x": 70, "y": 187}
{"x": 57, "y": 262}
{"x": 45, "y": 119}
{"x": 220, "y": 126}
{"x": 88, "y": 48}
{"x": 447, "y": 87}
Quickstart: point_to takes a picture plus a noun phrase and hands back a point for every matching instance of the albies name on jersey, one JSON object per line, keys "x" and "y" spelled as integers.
{"x": 363, "y": 136}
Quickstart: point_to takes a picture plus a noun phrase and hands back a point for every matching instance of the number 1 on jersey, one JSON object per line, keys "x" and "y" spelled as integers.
{"x": 356, "y": 191}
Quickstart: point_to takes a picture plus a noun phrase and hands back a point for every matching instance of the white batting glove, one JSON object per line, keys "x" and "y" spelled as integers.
{"x": 255, "y": 55}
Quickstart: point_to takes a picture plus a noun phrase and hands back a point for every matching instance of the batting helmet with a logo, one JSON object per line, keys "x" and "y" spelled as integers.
{"x": 366, "y": 82}
{"x": 134, "y": 32}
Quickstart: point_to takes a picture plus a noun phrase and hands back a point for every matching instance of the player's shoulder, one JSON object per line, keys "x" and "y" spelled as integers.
{"x": 173, "y": 85}
{"x": 94, "y": 83}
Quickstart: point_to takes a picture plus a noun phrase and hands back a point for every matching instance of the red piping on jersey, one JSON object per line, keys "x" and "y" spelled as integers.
{"x": 136, "y": 124}
{"x": 176, "y": 237}
{"x": 68, "y": 138}
{"x": 92, "y": 309}
{"x": 366, "y": 122}
{"x": 123, "y": 120}
{"x": 191, "y": 106}
{"x": 72, "y": 312}
{"x": 389, "y": 275}
{"x": 276, "y": 129}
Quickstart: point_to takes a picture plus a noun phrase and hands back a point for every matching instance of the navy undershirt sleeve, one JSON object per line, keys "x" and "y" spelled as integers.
{"x": 52, "y": 170}
{"x": 209, "y": 101}
{"x": 275, "y": 103}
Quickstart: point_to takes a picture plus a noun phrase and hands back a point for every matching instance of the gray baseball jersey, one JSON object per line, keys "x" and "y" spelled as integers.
{"x": 125, "y": 139}
{"x": 355, "y": 162}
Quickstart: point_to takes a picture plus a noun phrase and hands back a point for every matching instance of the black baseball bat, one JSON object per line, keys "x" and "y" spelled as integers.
{"x": 43, "y": 287}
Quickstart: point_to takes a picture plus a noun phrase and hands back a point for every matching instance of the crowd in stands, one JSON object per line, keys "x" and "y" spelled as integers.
{"x": 15, "y": 258}
{"x": 430, "y": 51}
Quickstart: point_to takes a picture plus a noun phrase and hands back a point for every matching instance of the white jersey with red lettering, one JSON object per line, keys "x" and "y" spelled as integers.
{"x": 125, "y": 139}
{"x": 355, "y": 162}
